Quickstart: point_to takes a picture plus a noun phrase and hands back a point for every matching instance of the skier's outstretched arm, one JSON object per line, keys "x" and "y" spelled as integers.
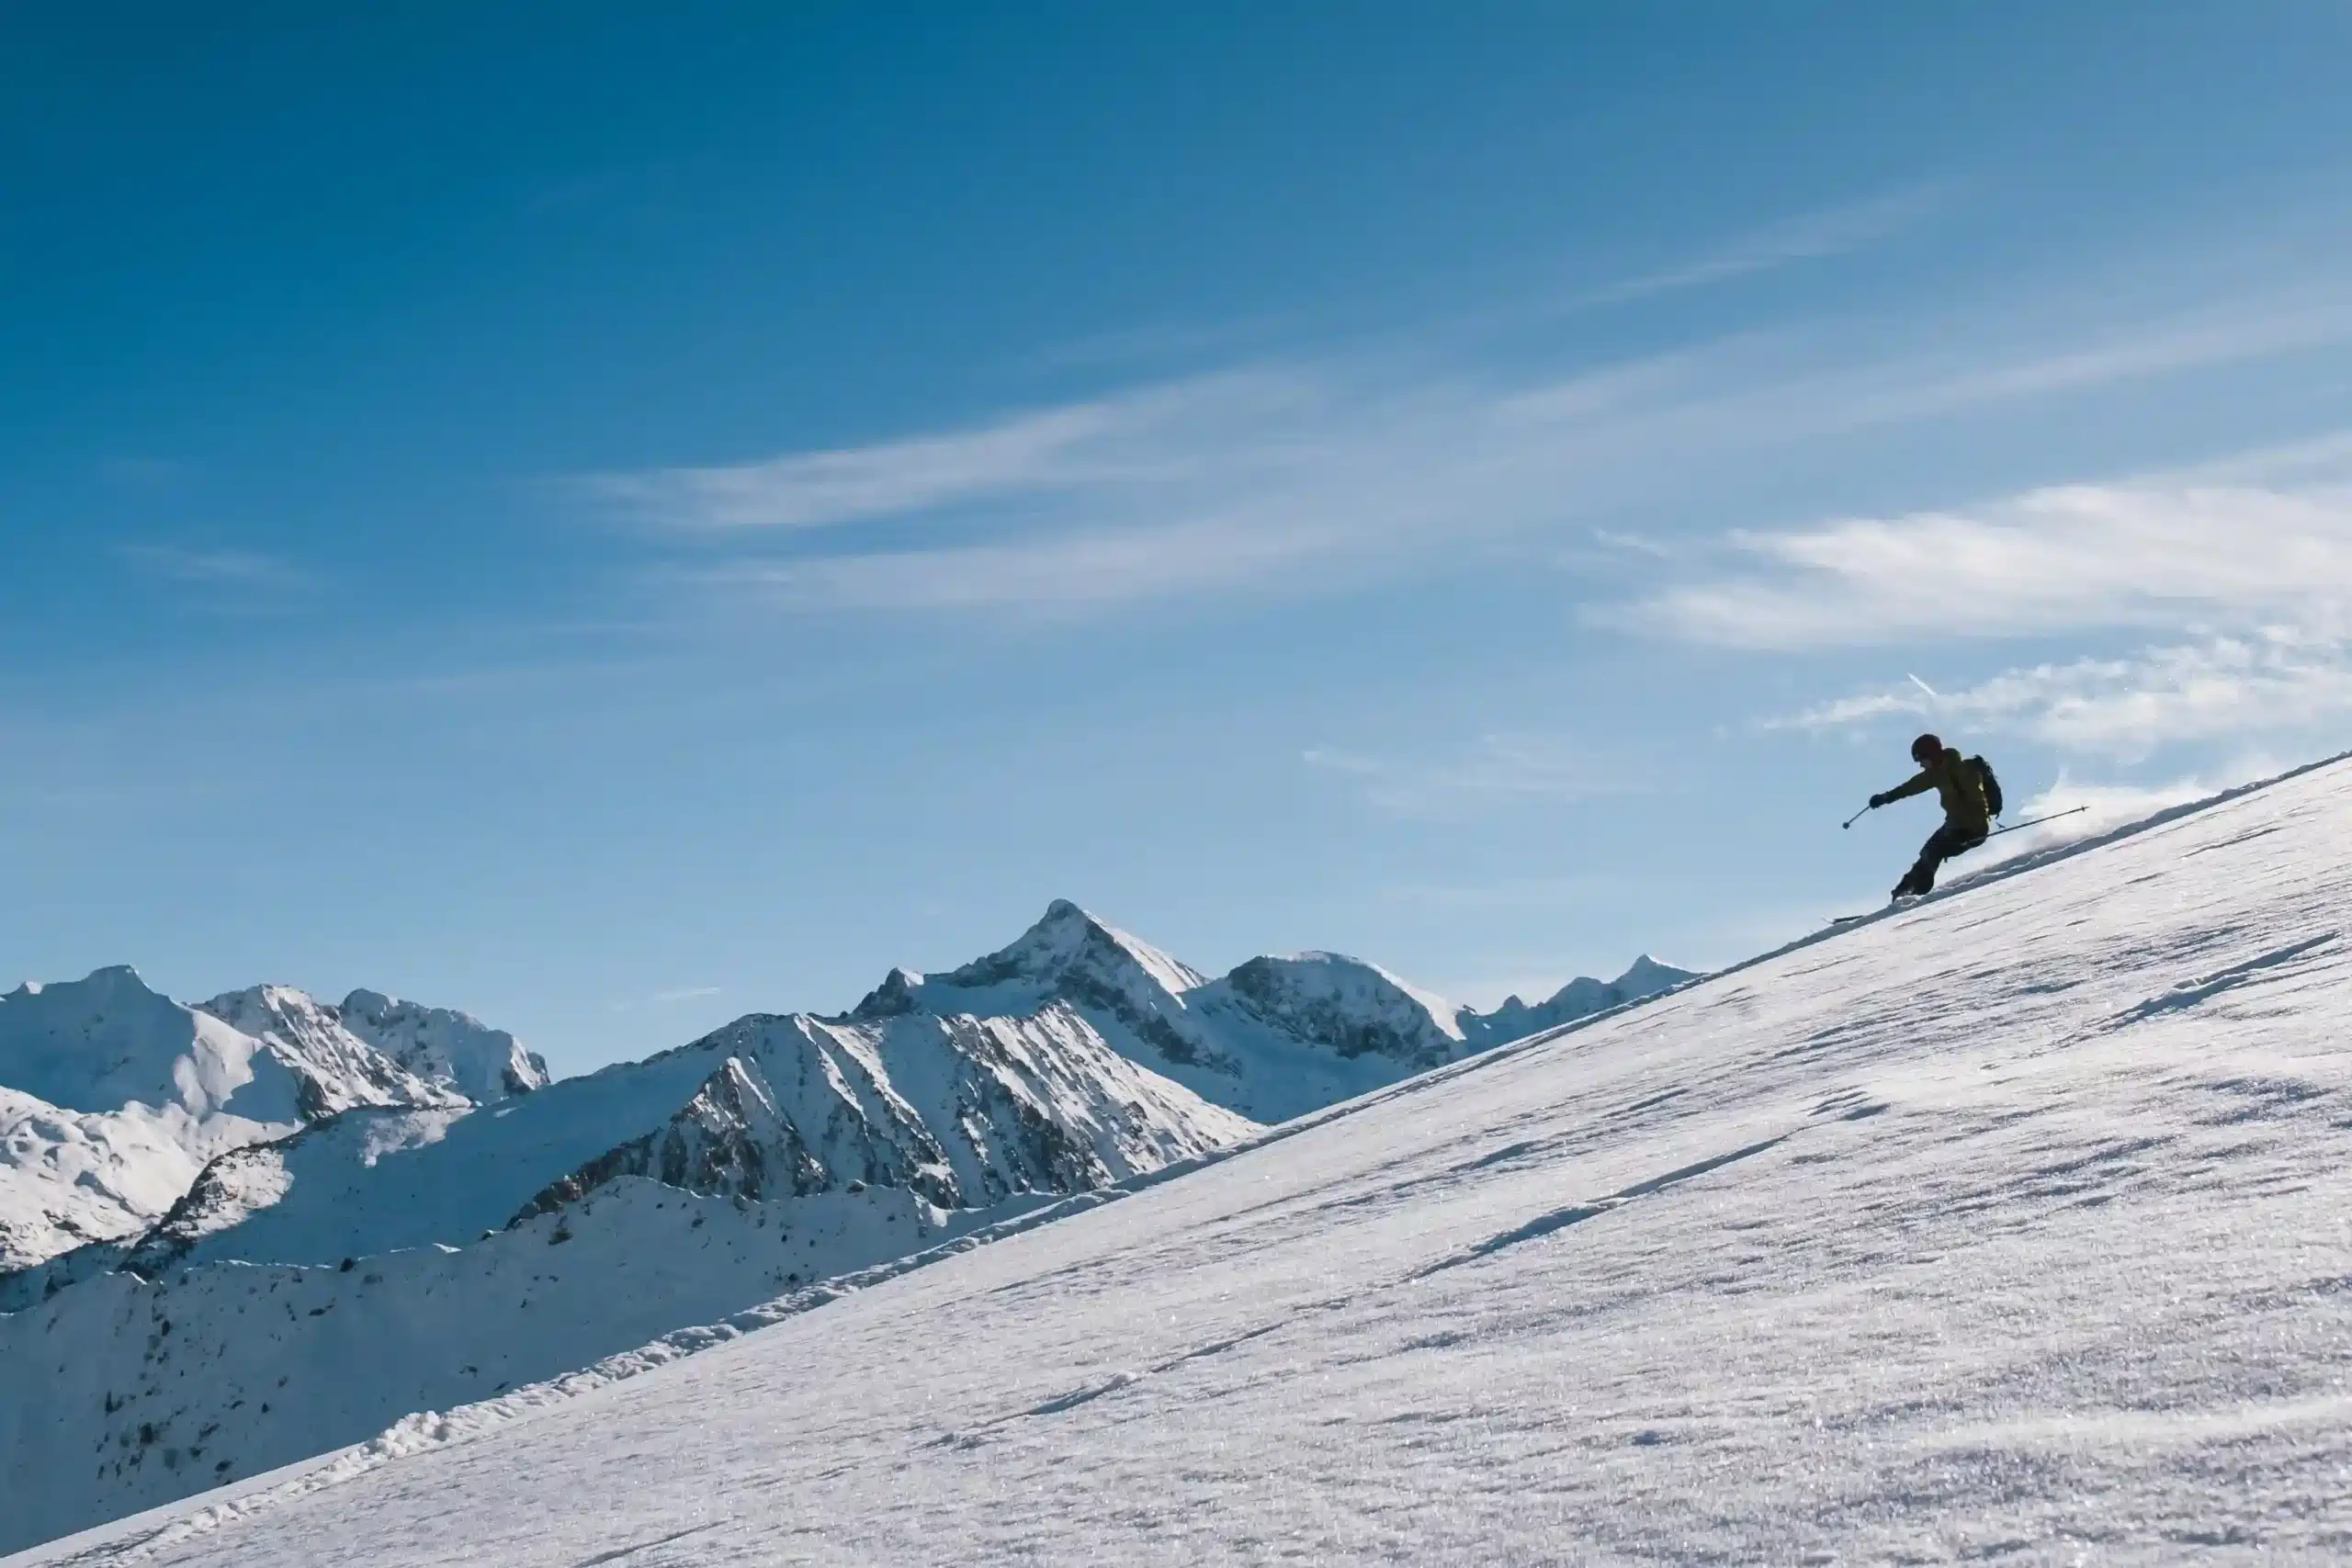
{"x": 1920, "y": 783}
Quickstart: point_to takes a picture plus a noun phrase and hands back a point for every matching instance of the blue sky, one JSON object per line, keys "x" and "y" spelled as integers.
{"x": 619, "y": 519}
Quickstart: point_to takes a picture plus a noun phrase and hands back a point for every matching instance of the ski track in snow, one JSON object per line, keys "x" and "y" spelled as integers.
{"x": 2012, "y": 1224}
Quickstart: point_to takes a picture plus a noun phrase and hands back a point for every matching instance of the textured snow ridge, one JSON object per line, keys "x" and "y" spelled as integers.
{"x": 71, "y": 1179}
{"x": 2010, "y": 1225}
{"x": 339, "y": 1069}
{"x": 445, "y": 1047}
{"x": 116, "y": 1097}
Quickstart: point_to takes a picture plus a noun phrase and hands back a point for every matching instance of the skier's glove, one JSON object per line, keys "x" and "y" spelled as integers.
{"x": 1876, "y": 801}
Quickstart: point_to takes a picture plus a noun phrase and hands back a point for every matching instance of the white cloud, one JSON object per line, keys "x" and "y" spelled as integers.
{"x": 1065, "y": 571}
{"x": 1494, "y": 770}
{"x": 1809, "y": 236}
{"x": 665, "y": 999}
{"x": 1633, "y": 544}
{"x": 1157, "y": 435}
{"x": 225, "y": 569}
{"x": 1292, "y": 476}
{"x": 2243, "y": 567}
{"x": 2154, "y": 347}
{"x": 2064, "y": 558}
{"x": 1333, "y": 759}
{"x": 2215, "y": 688}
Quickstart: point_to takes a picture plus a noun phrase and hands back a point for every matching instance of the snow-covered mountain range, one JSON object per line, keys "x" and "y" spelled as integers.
{"x": 1273, "y": 1039}
{"x": 113, "y": 1098}
{"x": 389, "y": 1242}
{"x": 2007, "y": 1226}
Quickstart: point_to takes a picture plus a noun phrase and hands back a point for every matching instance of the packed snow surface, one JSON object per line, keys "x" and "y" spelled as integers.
{"x": 2013, "y": 1224}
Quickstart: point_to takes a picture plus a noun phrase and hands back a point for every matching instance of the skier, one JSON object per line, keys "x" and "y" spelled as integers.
{"x": 1961, "y": 787}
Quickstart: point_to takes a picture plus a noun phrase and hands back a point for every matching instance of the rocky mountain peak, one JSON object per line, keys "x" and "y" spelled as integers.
{"x": 1580, "y": 998}
{"x": 1645, "y": 977}
{"x": 1067, "y": 955}
{"x": 1067, "y": 938}
{"x": 445, "y": 1047}
{"x": 894, "y": 998}
{"x": 108, "y": 1041}
{"x": 1350, "y": 1007}
{"x": 337, "y": 1071}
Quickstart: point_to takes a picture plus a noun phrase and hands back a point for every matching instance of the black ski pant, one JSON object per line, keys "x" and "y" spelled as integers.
{"x": 1952, "y": 838}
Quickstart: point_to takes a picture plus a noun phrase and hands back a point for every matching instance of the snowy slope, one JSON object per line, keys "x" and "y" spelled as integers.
{"x": 2012, "y": 1225}
{"x": 144, "y": 1393}
{"x": 113, "y": 1097}
{"x": 813, "y": 1147}
{"x": 71, "y": 1177}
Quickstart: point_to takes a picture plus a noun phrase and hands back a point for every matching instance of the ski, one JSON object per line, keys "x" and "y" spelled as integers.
{"x": 1883, "y": 909}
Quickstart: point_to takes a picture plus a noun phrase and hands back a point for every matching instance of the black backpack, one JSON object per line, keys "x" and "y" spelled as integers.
{"x": 1991, "y": 785}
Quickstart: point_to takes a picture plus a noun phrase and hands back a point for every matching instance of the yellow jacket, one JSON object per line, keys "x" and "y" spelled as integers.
{"x": 1956, "y": 785}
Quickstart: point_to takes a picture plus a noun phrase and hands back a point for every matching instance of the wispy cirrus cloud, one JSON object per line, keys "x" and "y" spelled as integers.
{"x": 218, "y": 569}
{"x": 1299, "y": 475}
{"x": 1073, "y": 572}
{"x": 1495, "y": 769}
{"x": 1806, "y": 236}
{"x": 1154, "y": 437}
{"x": 2213, "y": 689}
{"x": 2136, "y": 554}
{"x": 671, "y": 997}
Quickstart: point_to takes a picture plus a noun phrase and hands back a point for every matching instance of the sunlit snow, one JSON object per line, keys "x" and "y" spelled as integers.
{"x": 2012, "y": 1225}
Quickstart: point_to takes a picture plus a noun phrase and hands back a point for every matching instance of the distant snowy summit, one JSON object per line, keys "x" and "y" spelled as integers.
{"x": 452, "y": 1051}
{"x": 113, "y": 1098}
{"x": 445, "y": 1047}
{"x": 1580, "y": 998}
{"x": 1274, "y": 1039}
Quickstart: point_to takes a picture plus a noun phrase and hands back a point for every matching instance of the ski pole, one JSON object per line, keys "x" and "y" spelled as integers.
{"x": 1855, "y": 818}
{"x": 2037, "y": 821}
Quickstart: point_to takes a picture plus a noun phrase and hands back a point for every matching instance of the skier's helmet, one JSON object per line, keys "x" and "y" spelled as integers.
{"x": 1925, "y": 749}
